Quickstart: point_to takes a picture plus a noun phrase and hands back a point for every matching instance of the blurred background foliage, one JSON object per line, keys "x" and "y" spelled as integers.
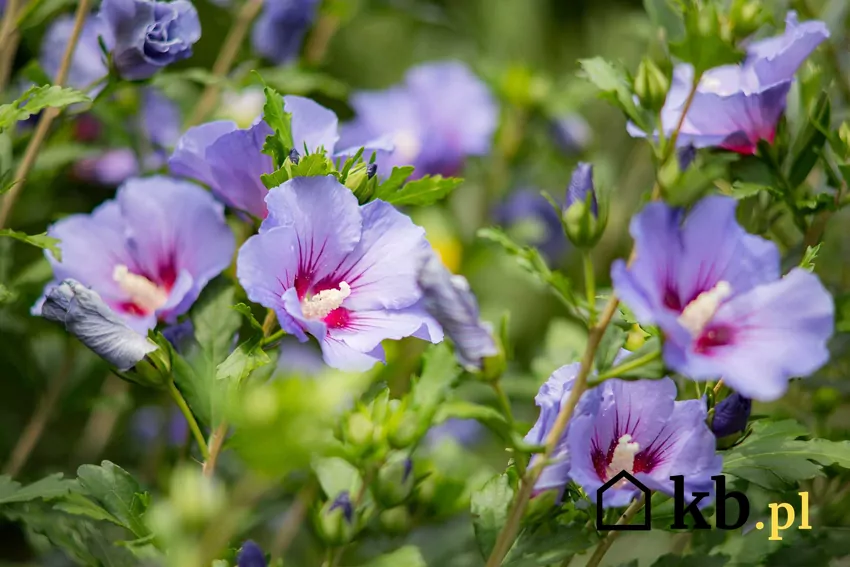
{"x": 527, "y": 52}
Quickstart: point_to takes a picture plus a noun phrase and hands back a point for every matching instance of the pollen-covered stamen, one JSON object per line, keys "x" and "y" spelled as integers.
{"x": 143, "y": 292}
{"x": 321, "y": 304}
{"x": 624, "y": 456}
{"x": 700, "y": 311}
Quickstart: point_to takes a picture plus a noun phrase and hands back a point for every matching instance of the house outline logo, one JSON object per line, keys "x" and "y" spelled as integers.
{"x": 628, "y": 527}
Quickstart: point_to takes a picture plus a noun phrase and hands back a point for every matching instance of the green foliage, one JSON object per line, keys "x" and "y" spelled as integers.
{"x": 424, "y": 191}
{"x": 280, "y": 141}
{"x": 489, "y": 507}
{"x": 409, "y": 556}
{"x": 36, "y": 99}
{"x": 811, "y": 254}
{"x": 615, "y": 84}
{"x": 48, "y": 488}
{"x": 40, "y": 240}
{"x": 549, "y": 545}
{"x": 672, "y": 560}
{"x": 705, "y": 44}
{"x": 773, "y": 456}
{"x": 806, "y": 148}
{"x": 117, "y": 494}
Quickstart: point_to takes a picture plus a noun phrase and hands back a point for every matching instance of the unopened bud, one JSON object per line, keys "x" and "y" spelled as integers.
{"x": 335, "y": 520}
{"x": 730, "y": 417}
{"x": 294, "y": 156}
{"x": 371, "y": 170}
{"x": 395, "y": 480}
{"x": 651, "y": 85}
{"x": 358, "y": 430}
{"x": 396, "y": 521}
{"x": 582, "y": 221}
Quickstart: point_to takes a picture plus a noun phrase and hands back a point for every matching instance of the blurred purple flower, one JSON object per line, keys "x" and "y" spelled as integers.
{"x": 299, "y": 358}
{"x": 735, "y": 106}
{"x": 530, "y": 218}
{"x": 465, "y": 431}
{"x": 640, "y": 428}
{"x": 87, "y": 317}
{"x": 88, "y": 64}
{"x": 149, "y": 252}
{"x": 230, "y": 161}
{"x": 147, "y": 35}
{"x": 111, "y": 168}
{"x": 441, "y": 114}
{"x": 731, "y": 415}
{"x": 450, "y": 301}
{"x": 146, "y": 424}
{"x": 251, "y": 556}
{"x": 160, "y": 119}
{"x": 343, "y": 273}
{"x": 571, "y": 133}
{"x": 718, "y": 294}
{"x": 281, "y": 27}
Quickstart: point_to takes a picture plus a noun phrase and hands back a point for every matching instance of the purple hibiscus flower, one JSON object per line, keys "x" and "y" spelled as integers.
{"x": 717, "y": 293}
{"x": 735, "y": 106}
{"x": 343, "y": 273}
{"x": 88, "y": 64}
{"x": 640, "y": 428}
{"x": 529, "y": 217}
{"x": 147, "y": 35}
{"x": 230, "y": 160}
{"x": 148, "y": 253}
{"x": 439, "y": 116}
{"x": 281, "y": 27}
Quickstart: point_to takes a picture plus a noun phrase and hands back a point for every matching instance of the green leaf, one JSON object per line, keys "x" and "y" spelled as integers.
{"x": 216, "y": 322}
{"x": 36, "y": 99}
{"x": 118, "y": 493}
{"x": 407, "y": 556}
{"x": 47, "y": 488}
{"x": 280, "y": 141}
{"x": 609, "y": 347}
{"x": 424, "y": 191}
{"x": 548, "y": 546}
{"x": 808, "y": 261}
{"x": 245, "y": 359}
{"x": 312, "y": 165}
{"x": 616, "y": 87}
{"x": 772, "y": 456}
{"x": 664, "y": 14}
{"x": 703, "y": 45}
{"x": 394, "y": 182}
{"x": 337, "y": 475}
{"x": 673, "y": 560}
{"x": 246, "y": 312}
{"x": 744, "y": 190}
{"x": 440, "y": 372}
{"x": 40, "y": 240}
{"x": 490, "y": 507}
{"x": 79, "y": 505}
{"x": 808, "y": 144}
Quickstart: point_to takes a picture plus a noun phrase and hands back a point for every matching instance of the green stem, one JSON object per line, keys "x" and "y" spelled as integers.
{"x": 273, "y": 337}
{"x": 617, "y": 371}
{"x": 505, "y": 406}
{"x": 190, "y": 419}
{"x": 590, "y": 286}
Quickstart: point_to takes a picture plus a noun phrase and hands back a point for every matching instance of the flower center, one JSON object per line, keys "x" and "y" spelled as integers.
{"x": 143, "y": 292}
{"x": 624, "y": 456}
{"x": 320, "y": 305}
{"x": 696, "y": 314}
{"x": 407, "y": 145}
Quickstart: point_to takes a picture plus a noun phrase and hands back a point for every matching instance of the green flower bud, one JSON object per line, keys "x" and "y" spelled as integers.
{"x": 395, "y": 480}
{"x": 404, "y": 429}
{"x": 396, "y": 521}
{"x": 335, "y": 520}
{"x": 583, "y": 219}
{"x": 362, "y": 181}
{"x": 358, "y": 430}
{"x": 651, "y": 85}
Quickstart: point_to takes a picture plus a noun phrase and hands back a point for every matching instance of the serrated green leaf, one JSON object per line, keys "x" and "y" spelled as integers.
{"x": 615, "y": 85}
{"x": 772, "y": 456}
{"x": 118, "y": 493}
{"x": 241, "y": 362}
{"x": 312, "y": 165}
{"x": 394, "y": 182}
{"x": 407, "y": 556}
{"x": 440, "y": 373}
{"x": 744, "y": 190}
{"x": 808, "y": 261}
{"x": 47, "y": 488}
{"x": 277, "y": 177}
{"x": 280, "y": 141}
{"x": 424, "y": 191}
{"x": 78, "y": 505}
{"x": 36, "y": 99}
{"x": 490, "y": 507}
{"x": 549, "y": 546}
{"x": 246, "y": 312}
{"x": 215, "y": 321}
{"x": 41, "y": 240}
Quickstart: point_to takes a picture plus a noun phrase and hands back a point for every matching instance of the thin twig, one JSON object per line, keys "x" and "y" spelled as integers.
{"x": 606, "y": 543}
{"x": 46, "y": 119}
{"x": 216, "y": 443}
{"x": 7, "y": 28}
{"x": 293, "y": 520}
{"x": 40, "y": 417}
{"x": 224, "y": 61}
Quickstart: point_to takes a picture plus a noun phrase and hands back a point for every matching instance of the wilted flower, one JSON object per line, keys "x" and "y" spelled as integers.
{"x": 281, "y": 27}
{"x": 150, "y": 252}
{"x": 439, "y": 116}
{"x": 529, "y": 217}
{"x": 251, "y": 556}
{"x": 731, "y": 415}
{"x": 735, "y": 106}
{"x": 230, "y": 161}
{"x": 718, "y": 294}
{"x": 88, "y": 318}
{"x": 640, "y": 428}
{"x": 88, "y": 64}
{"x": 343, "y": 273}
{"x": 147, "y": 35}
{"x": 449, "y": 300}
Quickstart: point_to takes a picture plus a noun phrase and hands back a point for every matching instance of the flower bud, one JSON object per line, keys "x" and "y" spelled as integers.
{"x": 651, "y": 85}
{"x": 87, "y": 317}
{"x": 404, "y": 429}
{"x": 358, "y": 430}
{"x": 582, "y": 221}
{"x": 335, "y": 520}
{"x": 396, "y": 521}
{"x": 362, "y": 181}
{"x": 251, "y": 556}
{"x": 395, "y": 480}
{"x": 371, "y": 170}
{"x": 731, "y": 415}
{"x": 294, "y": 156}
